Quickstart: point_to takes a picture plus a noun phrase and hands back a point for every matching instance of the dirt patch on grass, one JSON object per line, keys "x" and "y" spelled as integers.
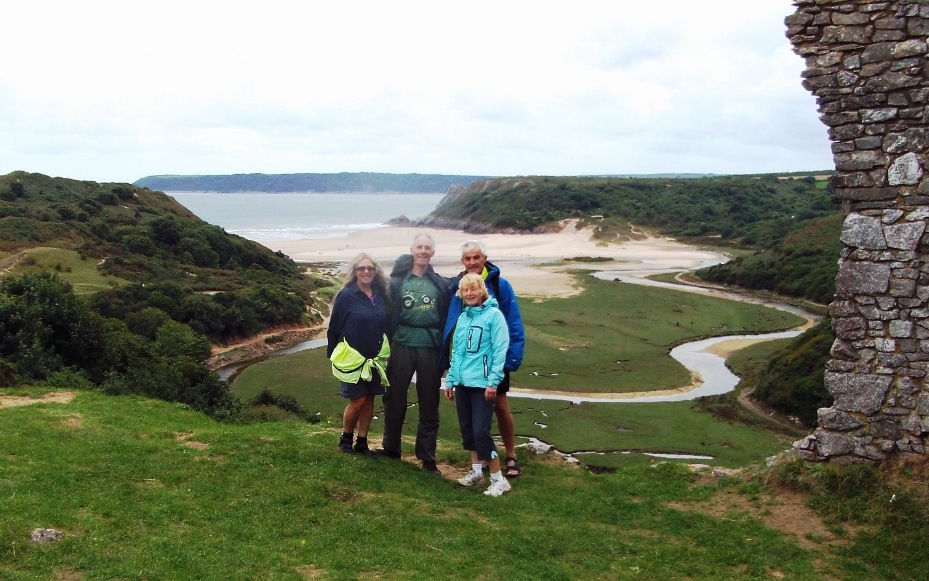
{"x": 785, "y": 511}
{"x": 185, "y": 438}
{"x": 259, "y": 346}
{"x": 67, "y": 575}
{"x": 10, "y": 401}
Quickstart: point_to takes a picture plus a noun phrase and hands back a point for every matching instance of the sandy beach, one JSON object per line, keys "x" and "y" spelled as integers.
{"x": 535, "y": 264}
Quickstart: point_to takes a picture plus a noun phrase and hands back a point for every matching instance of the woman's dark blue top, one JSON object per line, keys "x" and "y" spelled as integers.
{"x": 359, "y": 320}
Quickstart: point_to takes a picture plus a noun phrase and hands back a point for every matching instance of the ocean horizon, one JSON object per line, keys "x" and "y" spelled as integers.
{"x": 296, "y": 216}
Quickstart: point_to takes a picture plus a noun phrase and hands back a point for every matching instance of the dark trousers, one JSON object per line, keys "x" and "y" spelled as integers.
{"x": 404, "y": 362}
{"x": 475, "y": 416}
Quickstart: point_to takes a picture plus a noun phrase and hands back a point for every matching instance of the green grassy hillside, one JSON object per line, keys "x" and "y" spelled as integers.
{"x": 746, "y": 210}
{"x": 140, "y": 249}
{"x": 142, "y": 489}
{"x": 119, "y": 288}
{"x": 803, "y": 264}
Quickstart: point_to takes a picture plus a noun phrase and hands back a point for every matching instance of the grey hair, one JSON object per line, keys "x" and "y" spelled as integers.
{"x": 472, "y": 245}
{"x": 419, "y": 235}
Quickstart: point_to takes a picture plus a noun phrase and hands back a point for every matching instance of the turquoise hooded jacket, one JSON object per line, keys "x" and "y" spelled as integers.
{"x": 479, "y": 347}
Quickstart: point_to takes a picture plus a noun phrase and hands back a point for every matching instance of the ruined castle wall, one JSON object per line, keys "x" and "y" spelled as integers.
{"x": 866, "y": 64}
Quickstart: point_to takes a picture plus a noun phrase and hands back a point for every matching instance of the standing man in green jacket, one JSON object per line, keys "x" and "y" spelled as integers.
{"x": 419, "y": 304}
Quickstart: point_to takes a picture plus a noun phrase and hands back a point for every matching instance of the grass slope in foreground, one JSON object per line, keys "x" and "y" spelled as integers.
{"x": 143, "y": 489}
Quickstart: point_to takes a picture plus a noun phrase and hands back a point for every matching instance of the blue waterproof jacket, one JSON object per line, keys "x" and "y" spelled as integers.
{"x": 479, "y": 347}
{"x": 499, "y": 288}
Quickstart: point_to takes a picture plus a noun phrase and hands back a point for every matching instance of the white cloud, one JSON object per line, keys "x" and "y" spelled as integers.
{"x": 114, "y": 91}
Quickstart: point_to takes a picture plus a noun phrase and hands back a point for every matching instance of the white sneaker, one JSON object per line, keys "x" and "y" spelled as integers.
{"x": 471, "y": 478}
{"x": 497, "y": 488}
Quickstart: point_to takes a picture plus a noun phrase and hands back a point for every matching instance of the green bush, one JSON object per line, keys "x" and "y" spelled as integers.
{"x": 792, "y": 382}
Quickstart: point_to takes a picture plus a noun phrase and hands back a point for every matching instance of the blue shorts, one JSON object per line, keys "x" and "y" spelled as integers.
{"x": 362, "y": 388}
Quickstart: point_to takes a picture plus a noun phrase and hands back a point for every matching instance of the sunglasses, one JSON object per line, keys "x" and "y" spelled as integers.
{"x": 365, "y": 269}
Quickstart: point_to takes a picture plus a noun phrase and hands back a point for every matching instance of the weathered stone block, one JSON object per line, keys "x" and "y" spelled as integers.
{"x": 922, "y": 404}
{"x": 889, "y": 82}
{"x": 857, "y": 393}
{"x": 852, "y": 19}
{"x": 902, "y": 287}
{"x": 905, "y": 170}
{"x": 910, "y": 47}
{"x": 904, "y": 236}
{"x": 886, "y": 303}
{"x": 862, "y": 278}
{"x": 863, "y": 232}
{"x": 901, "y": 329}
{"x": 842, "y": 350}
{"x": 833, "y": 419}
{"x": 866, "y": 194}
{"x": 849, "y": 329}
{"x": 833, "y": 444}
{"x": 867, "y": 453}
{"x": 911, "y": 424}
{"x": 886, "y": 429}
{"x": 859, "y": 160}
{"x": 842, "y": 308}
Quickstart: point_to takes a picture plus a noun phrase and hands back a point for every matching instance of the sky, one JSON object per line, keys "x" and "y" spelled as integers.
{"x": 116, "y": 91}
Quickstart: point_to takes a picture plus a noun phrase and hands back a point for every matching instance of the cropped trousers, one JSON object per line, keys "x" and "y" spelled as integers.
{"x": 475, "y": 416}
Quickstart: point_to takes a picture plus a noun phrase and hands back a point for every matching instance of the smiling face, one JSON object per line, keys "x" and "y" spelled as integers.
{"x": 473, "y": 261}
{"x": 472, "y": 295}
{"x": 422, "y": 252}
{"x": 472, "y": 290}
{"x": 364, "y": 272}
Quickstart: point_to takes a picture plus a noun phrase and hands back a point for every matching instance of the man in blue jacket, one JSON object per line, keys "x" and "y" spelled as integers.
{"x": 474, "y": 259}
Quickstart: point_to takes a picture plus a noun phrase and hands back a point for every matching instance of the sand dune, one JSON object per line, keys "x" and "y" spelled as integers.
{"x": 535, "y": 264}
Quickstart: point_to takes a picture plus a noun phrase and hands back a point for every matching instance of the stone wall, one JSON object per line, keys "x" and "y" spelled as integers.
{"x": 866, "y": 64}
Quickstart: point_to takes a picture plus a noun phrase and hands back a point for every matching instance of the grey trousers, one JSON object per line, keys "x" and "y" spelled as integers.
{"x": 404, "y": 362}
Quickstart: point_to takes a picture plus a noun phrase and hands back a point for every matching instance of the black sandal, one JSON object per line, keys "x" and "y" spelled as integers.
{"x": 512, "y": 470}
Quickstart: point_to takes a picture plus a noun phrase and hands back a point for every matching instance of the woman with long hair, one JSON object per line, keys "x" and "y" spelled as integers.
{"x": 358, "y": 348}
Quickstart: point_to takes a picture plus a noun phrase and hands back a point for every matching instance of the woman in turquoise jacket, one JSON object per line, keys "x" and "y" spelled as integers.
{"x": 478, "y": 354}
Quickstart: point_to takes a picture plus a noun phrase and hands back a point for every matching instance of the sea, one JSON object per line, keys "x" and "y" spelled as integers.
{"x": 296, "y": 216}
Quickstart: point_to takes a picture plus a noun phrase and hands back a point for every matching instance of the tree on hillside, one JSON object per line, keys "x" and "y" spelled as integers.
{"x": 48, "y": 333}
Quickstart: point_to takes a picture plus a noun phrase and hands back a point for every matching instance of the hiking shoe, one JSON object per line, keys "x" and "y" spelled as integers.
{"x": 389, "y": 453}
{"x": 363, "y": 449}
{"x": 471, "y": 478}
{"x": 431, "y": 467}
{"x": 497, "y": 488}
{"x": 345, "y": 444}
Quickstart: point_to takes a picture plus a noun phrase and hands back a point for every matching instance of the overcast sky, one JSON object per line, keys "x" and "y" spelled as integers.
{"x": 115, "y": 91}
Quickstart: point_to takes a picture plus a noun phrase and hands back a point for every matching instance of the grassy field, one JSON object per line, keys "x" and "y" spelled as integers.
{"x": 616, "y": 337}
{"x": 143, "y": 489}
{"x": 618, "y": 432}
{"x": 79, "y": 271}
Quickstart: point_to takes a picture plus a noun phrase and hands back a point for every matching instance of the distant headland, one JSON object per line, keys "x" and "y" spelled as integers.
{"x": 308, "y": 182}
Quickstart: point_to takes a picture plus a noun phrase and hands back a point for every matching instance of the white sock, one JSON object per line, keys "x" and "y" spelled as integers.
{"x": 496, "y": 476}
{"x": 477, "y": 469}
